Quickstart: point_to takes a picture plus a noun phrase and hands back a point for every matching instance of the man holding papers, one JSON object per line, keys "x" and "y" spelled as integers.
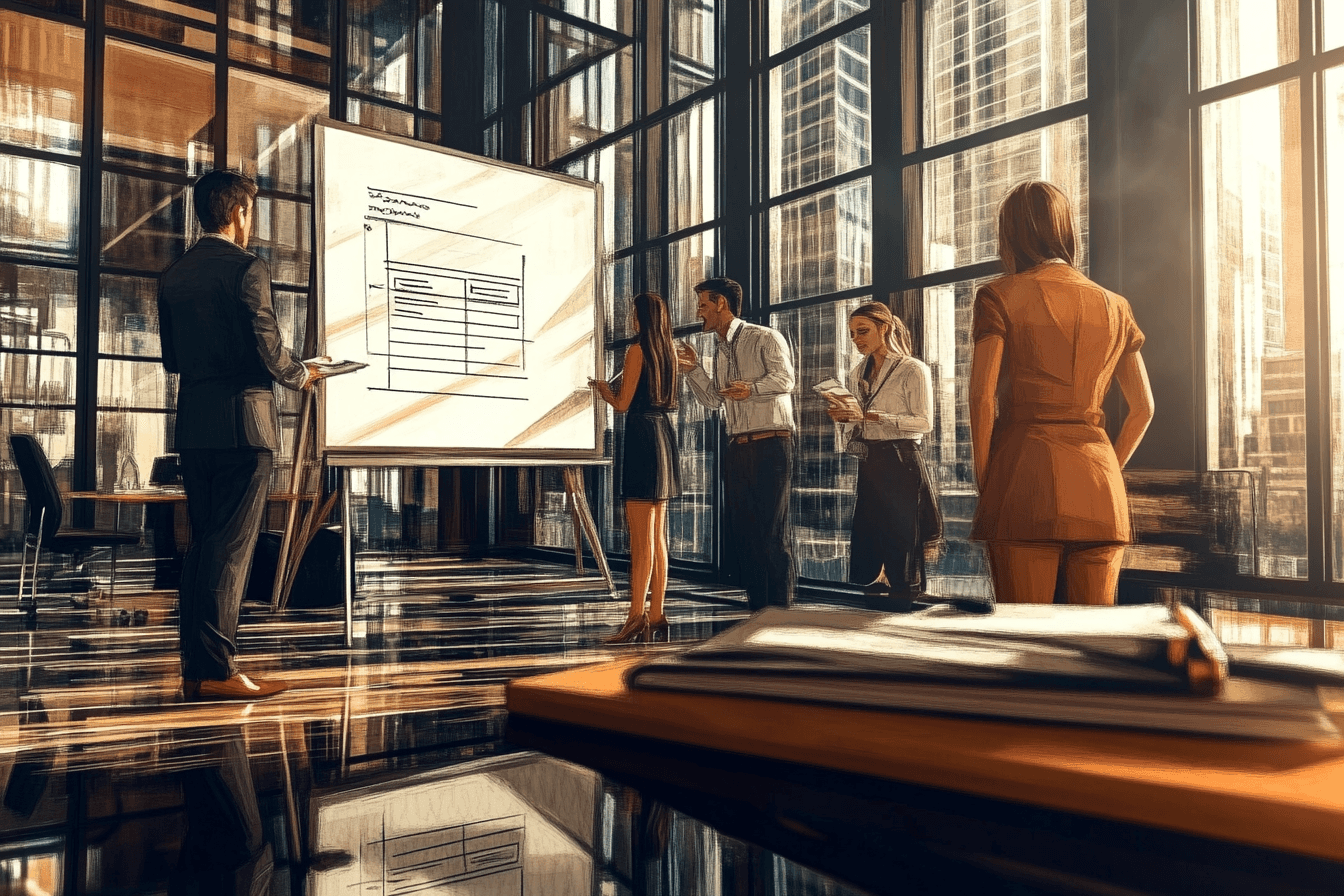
{"x": 219, "y": 333}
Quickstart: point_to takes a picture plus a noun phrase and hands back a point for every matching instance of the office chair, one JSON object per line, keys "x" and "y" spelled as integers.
{"x": 44, "y": 518}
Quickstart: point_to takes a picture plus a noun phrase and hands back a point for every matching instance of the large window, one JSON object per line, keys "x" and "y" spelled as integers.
{"x": 94, "y": 206}
{"x": 1268, "y": 108}
{"x": 629, "y": 95}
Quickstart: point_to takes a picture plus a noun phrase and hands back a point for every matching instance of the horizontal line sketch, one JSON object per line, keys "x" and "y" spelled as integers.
{"x": 482, "y": 857}
{"x": 441, "y": 304}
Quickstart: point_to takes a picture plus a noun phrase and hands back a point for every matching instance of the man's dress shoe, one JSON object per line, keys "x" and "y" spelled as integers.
{"x": 236, "y": 687}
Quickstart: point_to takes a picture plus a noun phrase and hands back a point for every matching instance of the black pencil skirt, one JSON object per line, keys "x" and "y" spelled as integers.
{"x": 651, "y": 466}
{"x": 895, "y": 516}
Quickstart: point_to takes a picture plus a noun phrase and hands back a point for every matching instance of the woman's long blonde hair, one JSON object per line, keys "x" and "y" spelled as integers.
{"x": 897, "y": 337}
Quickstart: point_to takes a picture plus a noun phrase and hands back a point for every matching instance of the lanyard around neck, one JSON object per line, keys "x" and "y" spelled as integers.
{"x": 867, "y": 402}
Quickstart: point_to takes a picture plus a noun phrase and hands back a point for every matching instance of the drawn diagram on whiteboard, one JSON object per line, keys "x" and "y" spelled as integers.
{"x": 444, "y": 311}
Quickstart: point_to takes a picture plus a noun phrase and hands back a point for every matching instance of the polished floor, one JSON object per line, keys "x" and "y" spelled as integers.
{"x": 385, "y": 770}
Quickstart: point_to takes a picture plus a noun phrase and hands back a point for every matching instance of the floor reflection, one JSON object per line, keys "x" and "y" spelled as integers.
{"x": 384, "y": 771}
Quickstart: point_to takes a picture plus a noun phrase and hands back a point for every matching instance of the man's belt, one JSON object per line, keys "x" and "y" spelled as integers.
{"x": 746, "y": 437}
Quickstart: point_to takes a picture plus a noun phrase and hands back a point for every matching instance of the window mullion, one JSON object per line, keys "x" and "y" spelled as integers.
{"x": 1315, "y": 312}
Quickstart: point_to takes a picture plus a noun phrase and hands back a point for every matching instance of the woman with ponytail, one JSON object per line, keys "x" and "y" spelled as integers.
{"x": 896, "y": 515}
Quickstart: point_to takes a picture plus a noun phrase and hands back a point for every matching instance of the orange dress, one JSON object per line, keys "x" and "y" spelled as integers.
{"x": 1053, "y": 474}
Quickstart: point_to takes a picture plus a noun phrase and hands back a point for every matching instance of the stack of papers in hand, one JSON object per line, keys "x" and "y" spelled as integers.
{"x": 831, "y": 390}
{"x": 328, "y": 367}
{"x": 1133, "y": 667}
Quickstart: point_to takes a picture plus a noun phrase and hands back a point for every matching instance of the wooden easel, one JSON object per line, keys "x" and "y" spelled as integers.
{"x": 295, "y": 536}
{"x": 584, "y": 524}
{"x": 294, "y": 540}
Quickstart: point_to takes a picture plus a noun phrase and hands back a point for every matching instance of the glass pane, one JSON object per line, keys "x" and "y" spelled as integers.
{"x": 1253, "y": 282}
{"x": 962, "y": 192}
{"x": 431, "y": 130}
{"x": 824, "y": 477}
{"x": 691, "y": 165}
{"x": 820, "y": 115}
{"x": 493, "y": 70}
{"x": 554, "y": 525}
{"x": 270, "y": 130}
{"x": 1334, "y": 185}
{"x": 37, "y": 308}
{"x": 158, "y": 109}
{"x": 39, "y": 208}
{"x": 44, "y": 379}
{"x": 619, "y": 15}
{"x": 595, "y": 102}
{"x": 293, "y": 38}
{"x": 562, "y": 47}
{"x": 987, "y": 63}
{"x": 689, "y": 261}
{"x": 134, "y": 384}
{"x": 380, "y": 48}
{"x": 692, "y": 46}
{"x": 822, "y": 243}
{"x": 381, "y": 118}
{"x": 619, "y": 284}
{"x": 690, "y": 518}
{"x": 1238, "y": 38}
{"x": 1332, "y": 26}
{"x": 128, "y": 321}
{"x": 611, "y": 167}
{"x": 792, "y": 21}
{"x": 291, "y": 313}
{"x": 186, "y": 23}
{"x": 128, "y": 443}
{"x": 144, "y": 222}
{"x": 948, "y": 350}
{"x": 55, "y": 432}
{"x": 429, "y": 58}
{"x": 41, "y": 83}
{"x": 282, "y": 236}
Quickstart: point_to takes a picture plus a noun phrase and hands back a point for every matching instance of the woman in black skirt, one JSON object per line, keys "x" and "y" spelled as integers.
{"x": 649, "y": 474}
{"x": 896, "y": 514}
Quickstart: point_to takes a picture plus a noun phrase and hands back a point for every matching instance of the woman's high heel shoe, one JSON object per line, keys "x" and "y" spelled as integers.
{"x": 634, "y": 630}
{"x": 661, "y": 630}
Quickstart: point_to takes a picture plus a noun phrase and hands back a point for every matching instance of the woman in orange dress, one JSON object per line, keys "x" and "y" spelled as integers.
{"x": 1048, "y": 342}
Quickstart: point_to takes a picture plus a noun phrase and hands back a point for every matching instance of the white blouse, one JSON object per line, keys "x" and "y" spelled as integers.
{"x": 903, "y": 401}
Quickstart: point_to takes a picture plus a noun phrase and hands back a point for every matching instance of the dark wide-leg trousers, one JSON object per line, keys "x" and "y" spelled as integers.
{"x": 758, "y": 538}
{"x": 226, "y": 497}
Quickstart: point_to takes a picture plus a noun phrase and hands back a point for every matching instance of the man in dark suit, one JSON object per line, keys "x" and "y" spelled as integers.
{"x": 219, "y": 334}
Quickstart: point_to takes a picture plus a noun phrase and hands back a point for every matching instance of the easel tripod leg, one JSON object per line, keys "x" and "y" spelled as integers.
{"x": 578, "y": 498}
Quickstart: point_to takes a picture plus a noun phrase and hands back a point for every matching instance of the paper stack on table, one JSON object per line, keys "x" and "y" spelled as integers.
{"x": 1131, "y": 666}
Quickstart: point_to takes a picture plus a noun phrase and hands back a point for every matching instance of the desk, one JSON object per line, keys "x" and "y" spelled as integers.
{"x": 1112, "y": 808}
{"x": 167, "y": 568}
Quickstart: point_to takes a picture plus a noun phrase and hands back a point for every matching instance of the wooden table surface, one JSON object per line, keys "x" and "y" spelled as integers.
{"x": 133, "y": 496}
{"x": 1279, "y": 795}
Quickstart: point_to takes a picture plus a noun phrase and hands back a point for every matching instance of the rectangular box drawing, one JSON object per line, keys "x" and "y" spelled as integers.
{"x": 471, "y": 289}
{"x": 432, "y": 323}
{"x": 483, "y": 856}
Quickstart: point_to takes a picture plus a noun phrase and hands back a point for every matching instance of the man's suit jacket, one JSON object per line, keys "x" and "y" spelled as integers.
{"x": 218, "y": 331}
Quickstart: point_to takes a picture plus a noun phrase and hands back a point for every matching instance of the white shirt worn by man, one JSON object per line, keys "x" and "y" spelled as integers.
{"x": 760, "y": 357}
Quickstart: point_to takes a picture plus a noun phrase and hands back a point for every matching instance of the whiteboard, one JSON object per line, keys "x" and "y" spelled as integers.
{"x": 470, "y": 287}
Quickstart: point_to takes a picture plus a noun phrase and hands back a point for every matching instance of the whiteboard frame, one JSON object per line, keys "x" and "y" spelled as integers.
{"x": 436, "y": 457}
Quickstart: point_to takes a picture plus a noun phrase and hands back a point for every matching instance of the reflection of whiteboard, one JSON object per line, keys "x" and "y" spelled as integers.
{"x": 493, "y": 827}
{"x": 469, "y": 287}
